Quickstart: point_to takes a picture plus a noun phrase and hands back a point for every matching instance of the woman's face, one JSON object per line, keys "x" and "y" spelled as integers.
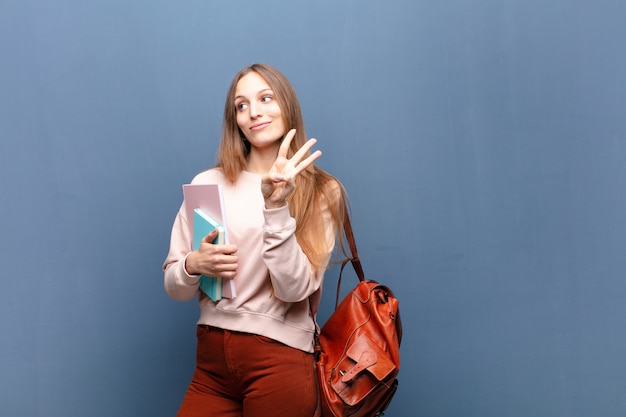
{"x": 258, "y": 113}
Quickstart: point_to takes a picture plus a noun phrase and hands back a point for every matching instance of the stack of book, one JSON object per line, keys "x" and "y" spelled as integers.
{"x": 205, "y": 212}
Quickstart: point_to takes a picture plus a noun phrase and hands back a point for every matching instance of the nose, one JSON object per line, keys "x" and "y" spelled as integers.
{"x": 255, "y": 110}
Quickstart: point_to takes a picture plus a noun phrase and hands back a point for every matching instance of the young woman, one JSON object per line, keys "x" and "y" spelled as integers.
{"x": 255, "y": 351}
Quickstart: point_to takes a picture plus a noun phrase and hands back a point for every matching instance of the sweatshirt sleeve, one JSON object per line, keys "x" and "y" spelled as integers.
{"x": 292, "y": 274}
{"x": 179, "y": 285}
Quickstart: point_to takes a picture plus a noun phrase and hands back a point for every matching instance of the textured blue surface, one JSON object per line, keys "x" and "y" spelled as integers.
{"x": 483, "y": 145}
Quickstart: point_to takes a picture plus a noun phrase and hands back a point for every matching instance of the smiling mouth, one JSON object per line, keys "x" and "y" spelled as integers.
{"x": 259, "y": 126}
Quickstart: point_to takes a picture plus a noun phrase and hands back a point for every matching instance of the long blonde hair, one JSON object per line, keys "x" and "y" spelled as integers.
{"x": 315, "y": 188}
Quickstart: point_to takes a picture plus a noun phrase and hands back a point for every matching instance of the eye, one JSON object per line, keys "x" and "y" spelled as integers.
{"x": 266, "y": 98}
{"x": 241, "y": 106}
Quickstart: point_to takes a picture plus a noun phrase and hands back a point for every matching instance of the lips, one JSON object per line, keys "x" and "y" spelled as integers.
{"x": 259, "y": 126}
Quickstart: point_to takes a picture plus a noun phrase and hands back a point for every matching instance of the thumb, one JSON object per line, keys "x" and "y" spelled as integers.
{"x": 210, "y": 237}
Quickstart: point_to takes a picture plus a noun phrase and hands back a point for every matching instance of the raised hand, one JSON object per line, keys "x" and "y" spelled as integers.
{"x": 280, "y": 181}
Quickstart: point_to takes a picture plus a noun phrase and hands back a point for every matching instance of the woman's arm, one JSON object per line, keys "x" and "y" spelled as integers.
{"x": 178, "y": 283}
{"x": 293, "y": 276}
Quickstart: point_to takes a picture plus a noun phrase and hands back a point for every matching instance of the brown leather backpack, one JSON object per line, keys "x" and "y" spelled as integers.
{"x": 358, "y": 348}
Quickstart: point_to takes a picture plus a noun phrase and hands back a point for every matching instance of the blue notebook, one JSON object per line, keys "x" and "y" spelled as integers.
{"x": 203, "y": 224}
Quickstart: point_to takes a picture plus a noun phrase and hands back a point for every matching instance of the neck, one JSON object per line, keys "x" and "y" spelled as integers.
{"x": 261, "y": 160}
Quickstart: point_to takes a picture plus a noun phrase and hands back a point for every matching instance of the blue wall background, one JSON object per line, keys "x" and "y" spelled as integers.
{"x": 483, "y": 145}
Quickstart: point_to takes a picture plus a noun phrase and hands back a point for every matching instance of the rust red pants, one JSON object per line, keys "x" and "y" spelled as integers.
{"x": 241, "y": 374}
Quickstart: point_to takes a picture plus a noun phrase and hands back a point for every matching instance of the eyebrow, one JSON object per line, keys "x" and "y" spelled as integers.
{"x": 259, "y": 92}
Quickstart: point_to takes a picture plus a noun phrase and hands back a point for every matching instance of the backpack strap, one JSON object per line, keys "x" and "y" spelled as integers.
{"x": 354, "y": 255}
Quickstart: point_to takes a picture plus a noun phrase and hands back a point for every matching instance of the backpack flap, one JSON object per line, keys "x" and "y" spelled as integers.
{"x": 362, "y": 370}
